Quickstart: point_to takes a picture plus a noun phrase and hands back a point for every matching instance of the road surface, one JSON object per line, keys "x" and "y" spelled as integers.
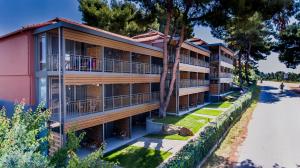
{"x": 273, "y": 138}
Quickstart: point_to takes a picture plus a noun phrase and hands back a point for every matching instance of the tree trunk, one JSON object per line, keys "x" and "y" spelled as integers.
{"x": 162, "y": 112}
{"x": 247, "y": 64}
{"x": 174, "y": 68}
{"x": 240, "y": 69}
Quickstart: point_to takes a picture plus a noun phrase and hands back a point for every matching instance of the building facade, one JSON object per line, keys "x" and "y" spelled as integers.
{"x": 103, "y": 83}
{"x": 191, "y": 89}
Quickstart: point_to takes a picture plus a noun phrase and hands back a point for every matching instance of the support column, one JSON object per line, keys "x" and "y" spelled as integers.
{"x": 103, "y": 59}
{"x": 130, "y": 126}
{"x": 150, "y": 64}
{"x": 103, "y": 132}
{"x": 130, "y": 93}
{"x": 103, "y": 97}
{"x": 130, "y": 60}
{"x": 177, "y": 90}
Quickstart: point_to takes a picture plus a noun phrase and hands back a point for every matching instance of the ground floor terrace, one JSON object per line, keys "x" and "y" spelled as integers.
{"x": 114, "y": 134}
{"x": 186, "y": 103}
{"x": 219, "y": 88}
{"x": 157, "y": 147}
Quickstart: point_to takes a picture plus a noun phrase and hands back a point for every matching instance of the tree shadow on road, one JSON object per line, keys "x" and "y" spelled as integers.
{"x": 269, "y": 96}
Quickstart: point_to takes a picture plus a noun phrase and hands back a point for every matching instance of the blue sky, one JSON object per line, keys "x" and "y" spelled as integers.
{"x": 17, "y": 13}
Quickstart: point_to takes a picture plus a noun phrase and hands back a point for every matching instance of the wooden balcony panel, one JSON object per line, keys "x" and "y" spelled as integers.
{"x": 195, "y": 49}
{"x": 226, "y": 80}
{"x": 109, "y": 78}
{"x": 186, "y": 91}
{"x": 104, "y": 117}
{"x": 192, "y": 68}
{"x": 101, "y": 41}
{"x": 225, "y": 64}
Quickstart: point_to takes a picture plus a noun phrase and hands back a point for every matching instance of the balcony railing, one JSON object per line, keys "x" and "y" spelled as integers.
{"x": 83, "y": 63}
{"x": 93, "y": 64}
{"x": 226, "y": 59}
{"x": 84, "y": 107}
{"x": 185, "y": 83}
{"x": 117, "y": 66}
{"x": 95, "y": 105}
{"x": 222, "y": 58}
{"x": 221, "y": 75}
{"x": 225, "y": 75}
{"x": 193, "y": 61}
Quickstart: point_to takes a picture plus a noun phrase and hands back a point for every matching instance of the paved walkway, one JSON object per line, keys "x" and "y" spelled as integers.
{"x": 172, "y": 146}
{"x": 273, "y": 138}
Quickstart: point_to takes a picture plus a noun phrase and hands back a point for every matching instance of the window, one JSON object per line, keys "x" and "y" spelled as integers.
{"x": 42, "y": 51}
{"x": 42, "y": 89}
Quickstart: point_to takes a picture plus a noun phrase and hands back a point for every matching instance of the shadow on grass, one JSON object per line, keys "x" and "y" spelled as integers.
{"x": 171, "y": 137}
{"x": 137, "y": 157}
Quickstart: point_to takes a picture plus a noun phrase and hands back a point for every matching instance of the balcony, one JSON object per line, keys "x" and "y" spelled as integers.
{"x": 185, "y": 83}
{"x": 193, "y": 61}
{"x": 94, "y": 105}
{"x": 221, "y": 75}
{"x": 222, "y": 58}
{"x": 83, "y": 63}
{"x": 92, "y": 64}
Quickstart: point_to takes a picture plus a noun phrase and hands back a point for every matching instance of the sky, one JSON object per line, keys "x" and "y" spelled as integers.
{"x": 17, "y": 13}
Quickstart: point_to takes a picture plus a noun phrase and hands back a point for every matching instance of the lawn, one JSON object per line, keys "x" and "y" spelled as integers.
{"x": 224, "y": 104}
{"x": 137, "y": 157}
{"x": 210, "y": 112}
{"x": 171, "y": 137}
{"x": 193, "y": 122}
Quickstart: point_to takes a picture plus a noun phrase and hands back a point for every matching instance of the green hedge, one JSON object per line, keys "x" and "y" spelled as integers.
{"x": 195, "y": 150}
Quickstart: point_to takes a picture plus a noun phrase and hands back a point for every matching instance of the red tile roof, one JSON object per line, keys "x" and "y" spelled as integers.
{"x": 30, "y": 27}
{"x": 52, "y": 21}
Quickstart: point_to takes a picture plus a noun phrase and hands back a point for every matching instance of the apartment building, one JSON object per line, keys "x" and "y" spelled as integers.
{"x": 103, "y": 83}
{"x": 191, "y": 89}
{"x": 92, "y": 80}
{"x": 221, "y": 68}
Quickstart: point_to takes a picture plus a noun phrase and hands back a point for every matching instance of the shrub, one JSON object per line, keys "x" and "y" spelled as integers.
{"x": 195, "y": 150}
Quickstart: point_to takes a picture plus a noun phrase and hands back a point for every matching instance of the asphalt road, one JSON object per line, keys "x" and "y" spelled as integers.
{"x": 273, "y": 138}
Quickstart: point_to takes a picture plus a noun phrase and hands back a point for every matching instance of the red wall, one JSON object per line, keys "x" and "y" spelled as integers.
{"x": 17, "y": 68}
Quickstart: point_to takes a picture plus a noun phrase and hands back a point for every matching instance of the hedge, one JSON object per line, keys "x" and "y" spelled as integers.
{"x": 197, "y": 149}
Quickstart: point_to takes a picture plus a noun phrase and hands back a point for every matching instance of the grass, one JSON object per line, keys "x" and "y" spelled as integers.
{"x": 193, "y": 122}
{"x": 210, "y": 112}
{"x": 171, "y": 137}
{"x": 225, "y": 104}
{"x": 137, "y": 157}
{"x": 225, "y": 155}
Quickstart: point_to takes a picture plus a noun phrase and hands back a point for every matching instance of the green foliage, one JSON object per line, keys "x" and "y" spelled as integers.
{"x": 121, "y": 17}
{"x": 171, "y": 137}
{"x": 195, "y": 151}
{"x": 248, "y": 26}
{"x": 20, "y": 140}
{"x": 60, "y": 157}
{"x": 91, "y": 161}
{"x": 66, "y": 156}
{"x": 288, "y": 45}
{"x": 138, "y": 157}
{"x": 189, "y": 121}
{"x": 279, "y": 76}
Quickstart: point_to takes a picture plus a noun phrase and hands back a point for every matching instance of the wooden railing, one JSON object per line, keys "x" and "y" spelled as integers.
{"x": 221, "y": 58}
{"x": 185, "y": 83}
{"x": 93, "y": 64}
{"x": 83, "y": 63}
{"x": 95, "y": 105}
{"x": 193, "y": 61}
